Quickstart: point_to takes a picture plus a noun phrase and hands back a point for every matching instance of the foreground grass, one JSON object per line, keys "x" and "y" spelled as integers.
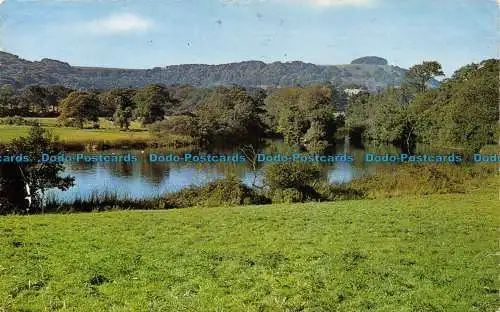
{"x": 434, "y": 253}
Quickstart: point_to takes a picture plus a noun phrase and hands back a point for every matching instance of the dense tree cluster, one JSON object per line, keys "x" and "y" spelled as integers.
{"x": 462, "y": 112}
{"x": 304, "y": 116}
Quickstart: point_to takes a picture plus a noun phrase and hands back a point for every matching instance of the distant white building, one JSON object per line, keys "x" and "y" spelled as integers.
{"x": 351, "y": 92}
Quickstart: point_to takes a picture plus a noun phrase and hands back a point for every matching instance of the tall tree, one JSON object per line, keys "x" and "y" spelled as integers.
{"x": 297, "y": 111}
{"x": 7, "y": 99}
{"x": 419, "y": 75}
{"x": 474, "y": 108}
{"x": 123, "y": 116}
{"x": 30, "y": 179}
{"x": 57, "y": 93}
{"x": 80, "y": 106}
{"x": 36, "y": 97}
{"x": 229, "y": 114}
{"x": 112, "y": 99}
{"x": 151, "y": 103}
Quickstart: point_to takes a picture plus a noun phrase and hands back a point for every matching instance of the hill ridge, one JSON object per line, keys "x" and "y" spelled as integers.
{"x": 250, "y": 73}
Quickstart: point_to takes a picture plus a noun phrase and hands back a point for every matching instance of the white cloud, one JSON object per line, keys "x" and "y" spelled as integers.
{"x": 119, "y": 23}
{"x": 2, "y": 1}
{"x": 315, "y": 3}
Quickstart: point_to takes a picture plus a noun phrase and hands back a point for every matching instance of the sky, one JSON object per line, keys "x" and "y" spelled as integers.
{"x": 154, "y": 33}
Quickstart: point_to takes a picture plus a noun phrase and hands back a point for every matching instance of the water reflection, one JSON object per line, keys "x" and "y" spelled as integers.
{"x": 144, "y": 179}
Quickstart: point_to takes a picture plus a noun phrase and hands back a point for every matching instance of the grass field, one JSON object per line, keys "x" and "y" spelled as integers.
{"x": 436, "y": 253}
{"x": 107, "y": 132}
{"x": 74, "y": 135}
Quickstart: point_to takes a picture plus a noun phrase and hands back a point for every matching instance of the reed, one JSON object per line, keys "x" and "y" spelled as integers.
{"x": 101, "y": 201}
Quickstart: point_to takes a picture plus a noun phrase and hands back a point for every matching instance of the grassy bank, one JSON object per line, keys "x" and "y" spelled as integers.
{"x": 106, "y": 133}
{"x": 77, "y": 136}
{"x": 107, "y": 136}
{"x": 434, "y": 253}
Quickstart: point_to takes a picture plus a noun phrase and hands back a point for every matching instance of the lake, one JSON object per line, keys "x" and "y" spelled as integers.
{"x": 144, "y": 179}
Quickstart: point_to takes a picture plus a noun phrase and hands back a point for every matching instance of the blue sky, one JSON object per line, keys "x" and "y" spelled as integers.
{"x": 149, "y": 33}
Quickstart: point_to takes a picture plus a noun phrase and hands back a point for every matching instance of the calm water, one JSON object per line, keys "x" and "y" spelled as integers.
{"x": 143, "y": 179}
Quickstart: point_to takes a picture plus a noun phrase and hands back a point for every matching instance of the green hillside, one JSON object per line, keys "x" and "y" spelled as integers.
{"x": 20, "y": 73}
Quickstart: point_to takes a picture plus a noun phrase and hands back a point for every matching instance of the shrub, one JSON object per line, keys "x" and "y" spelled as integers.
{"x": 180, "y": 125}
{"x": 280, "y": 178}
{"x": 287, "y": 196}
{"x": 68, "y": 122}
{"x": 228, "y": 191}
{"x": 333, "y": 192}
{"x": 15, "y": 120}
{"x": 293, "y": 174}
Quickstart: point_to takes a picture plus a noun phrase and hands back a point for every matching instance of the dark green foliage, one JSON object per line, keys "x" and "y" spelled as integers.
{"x": 222, "y": 116}
{"x": 9, "y": 101}
{"x": 33, "y": 100}
{"x": 80, "y": 107}
{"x": 292, "y": 180}
{"x": 36, "y": 97}
{"x": 178, "y": 125}
{"x": 227, "y": 191}
{"x": 151, "y": 103}
{"x": 333, "y": 192}
{"x": 358, "y": 114}
{"x": 111, "y": 100}
{"x": 315, "y": 138}
{"x": 418, "y": 76}
{"x": 122, "y": 117}
{"x": 39, "y": 176}
{"x": 229, "y": 115}
{"x": 464, "y": 111}
{"x": 18, "y": 121}
{"x": 304, "y": 116}
{"x": 390, "y": 120}
{"x": 287, "y": 196}
{"x": 56, "y": 93}
{"x": 383, "y": 118}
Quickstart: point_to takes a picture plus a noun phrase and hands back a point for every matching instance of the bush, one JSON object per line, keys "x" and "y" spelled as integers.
{"x": 181, "y": 125}
{"x": 228, "y": 191}
{"x": 68, "y": 122}
{"x": 18, "y": 121}
{"x": 287, "y": 196}
{"x": 333, "y": 192}
{"x": 293, "y": 174}
{"x": 280, "y": 178}
{"x": 177, "y": 131}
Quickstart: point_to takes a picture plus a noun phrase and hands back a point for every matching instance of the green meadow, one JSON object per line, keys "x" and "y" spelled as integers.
{"x": 432, "y": 253}
{"x": 107, "y": 132}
